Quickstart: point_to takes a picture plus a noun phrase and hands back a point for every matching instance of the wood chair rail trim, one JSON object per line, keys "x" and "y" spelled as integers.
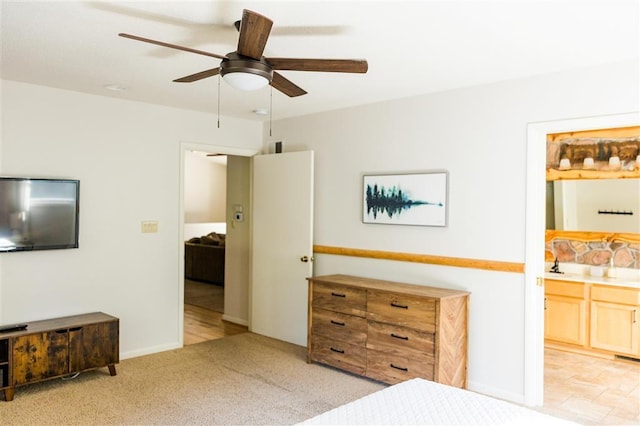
{"x": 458, "y": 262}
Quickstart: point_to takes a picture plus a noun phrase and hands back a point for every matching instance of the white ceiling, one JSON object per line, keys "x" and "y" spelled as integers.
{"x": 413, "y": 47}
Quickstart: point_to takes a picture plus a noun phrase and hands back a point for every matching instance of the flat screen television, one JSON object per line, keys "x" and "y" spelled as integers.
{"x": 38, "y": 214}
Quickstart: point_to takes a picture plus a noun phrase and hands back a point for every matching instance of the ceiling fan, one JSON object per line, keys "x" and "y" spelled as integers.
{"x": 247, "y": 69}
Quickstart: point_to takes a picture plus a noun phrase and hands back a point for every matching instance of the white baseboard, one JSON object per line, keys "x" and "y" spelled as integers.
{"x": 149, "y": 351}
{"x": 495, "y": 392}
{"x": 235, "y": 320}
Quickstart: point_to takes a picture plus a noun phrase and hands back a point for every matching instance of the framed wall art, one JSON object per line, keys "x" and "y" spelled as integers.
{"x": 406, "y": 199}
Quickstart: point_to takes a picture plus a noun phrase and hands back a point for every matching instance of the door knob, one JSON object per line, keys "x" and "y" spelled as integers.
{"x": 306, "y": 259}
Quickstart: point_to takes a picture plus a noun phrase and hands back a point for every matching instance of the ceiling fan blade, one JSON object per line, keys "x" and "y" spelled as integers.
{"x": 172, "y": 46}
{"x": 286, "y": 86}
{"x": 254, "y": 32}
{"x": 198, "y": 76}
{"x": 324, "y": 65}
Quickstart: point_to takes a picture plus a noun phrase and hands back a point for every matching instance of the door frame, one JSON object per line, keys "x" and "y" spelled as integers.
{"x": 534, "y": 238}
{"x": 211, "y": 149}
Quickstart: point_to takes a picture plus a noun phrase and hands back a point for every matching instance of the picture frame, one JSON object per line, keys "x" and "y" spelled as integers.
{"x": 419, "y": 199}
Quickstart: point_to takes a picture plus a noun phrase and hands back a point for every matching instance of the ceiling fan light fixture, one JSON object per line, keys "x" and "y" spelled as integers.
{"x": 245, "y": 74}
{"x": 245, "y": 81}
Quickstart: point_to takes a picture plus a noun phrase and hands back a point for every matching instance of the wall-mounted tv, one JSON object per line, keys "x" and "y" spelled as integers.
{"x": 38, "y": 214}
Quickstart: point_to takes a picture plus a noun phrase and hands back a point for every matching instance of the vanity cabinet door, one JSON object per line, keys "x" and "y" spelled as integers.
{"x": 565, "y": 312}
{"x": 565, "y": 319}
{"x": 615, "y": 322}
{"x": 615, "y": 327}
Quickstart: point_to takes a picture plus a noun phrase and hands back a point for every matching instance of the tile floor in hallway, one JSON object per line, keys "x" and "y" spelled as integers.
{"x": 591, "y": 390}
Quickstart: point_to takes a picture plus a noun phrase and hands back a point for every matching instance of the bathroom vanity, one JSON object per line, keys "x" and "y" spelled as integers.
{"x": 598, "y": 315}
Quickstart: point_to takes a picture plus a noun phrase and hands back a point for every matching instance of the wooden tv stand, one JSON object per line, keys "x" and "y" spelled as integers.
{"x": 58, "y": 347}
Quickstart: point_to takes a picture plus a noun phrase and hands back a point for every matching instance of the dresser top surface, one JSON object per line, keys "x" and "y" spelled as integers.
{"x": 384, "y": 285}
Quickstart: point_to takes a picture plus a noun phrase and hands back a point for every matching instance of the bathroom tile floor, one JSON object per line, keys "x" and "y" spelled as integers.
{"x": 591, "y": 390}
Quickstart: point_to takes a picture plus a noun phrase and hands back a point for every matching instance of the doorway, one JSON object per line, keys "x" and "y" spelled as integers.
{"x": 205, "y": 230}
{"x": 233, "y": 320}
{"x": 535, "y": 239}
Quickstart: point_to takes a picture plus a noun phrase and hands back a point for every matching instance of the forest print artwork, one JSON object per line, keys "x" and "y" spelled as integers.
{"x": 405, "y": 199}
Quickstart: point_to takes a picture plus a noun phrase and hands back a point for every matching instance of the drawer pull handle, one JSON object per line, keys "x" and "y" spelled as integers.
{"x": 340, "y": 351}
{"x": 395, "y": 305}
{"x": 338, "y": 294}
{"x": 337, "y": 323}
{"x": 398, "y": 368}
{"x": 399, "y": 337}
{"x": 634, "y": 316}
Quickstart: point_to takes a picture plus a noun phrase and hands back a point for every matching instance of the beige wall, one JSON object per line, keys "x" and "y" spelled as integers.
{"x": 237, "y": 259}
{"x": 205, "y": 189}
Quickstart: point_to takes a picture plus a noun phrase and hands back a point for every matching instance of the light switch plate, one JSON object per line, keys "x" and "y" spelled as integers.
{"x": 149, "y": 226}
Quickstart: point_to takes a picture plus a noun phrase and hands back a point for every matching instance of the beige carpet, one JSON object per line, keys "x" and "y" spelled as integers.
{"x": 240, "y": 380}
{"x": 204, "y": 295}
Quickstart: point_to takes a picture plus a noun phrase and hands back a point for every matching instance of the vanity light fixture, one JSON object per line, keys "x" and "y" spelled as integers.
{"x": 588, "y": 163}
{"x": 614, "y": 162}
{"x": 565, "y": 164}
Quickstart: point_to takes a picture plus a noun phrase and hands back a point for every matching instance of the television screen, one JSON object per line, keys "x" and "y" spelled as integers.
{"x": 38, "y": 214}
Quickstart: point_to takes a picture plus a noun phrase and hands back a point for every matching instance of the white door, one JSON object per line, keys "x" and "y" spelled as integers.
{"x": 282, "y": 239}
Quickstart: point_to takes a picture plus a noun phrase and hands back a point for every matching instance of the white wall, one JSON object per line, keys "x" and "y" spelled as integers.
{"x": 127, "y": 157}
{"x": 237, "y": 251}
{"x": 205, "y": 189}
{"x": 478, "y": 134}
{"x": 192, "y": 230}
{"x": 580, "y": 201}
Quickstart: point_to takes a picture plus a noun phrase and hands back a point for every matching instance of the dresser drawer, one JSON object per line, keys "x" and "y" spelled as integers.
{"x": 394, "y": 369}
{"x": 338, "y": 326}
{"x": 340, "y": 298}
{"x": 339, "y": 354}
{"x": 399, "y": 340}
{"x": 401, "y": 309}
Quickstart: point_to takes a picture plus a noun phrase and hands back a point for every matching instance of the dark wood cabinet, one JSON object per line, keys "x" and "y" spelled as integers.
{"x": 93, "y": 346}
{"x": 39, "y": 356}
{"x": 58, "y": 347}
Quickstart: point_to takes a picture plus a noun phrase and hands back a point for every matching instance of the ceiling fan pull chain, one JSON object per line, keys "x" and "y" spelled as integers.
{"x": 218, "y": 101}
{"x": 270, "y": 108}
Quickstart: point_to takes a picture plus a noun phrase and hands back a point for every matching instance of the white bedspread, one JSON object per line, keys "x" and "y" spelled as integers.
{"x": 421, "y": 402}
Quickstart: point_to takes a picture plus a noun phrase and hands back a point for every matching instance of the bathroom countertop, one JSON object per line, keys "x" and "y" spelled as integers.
{"x": 622, "y": 282}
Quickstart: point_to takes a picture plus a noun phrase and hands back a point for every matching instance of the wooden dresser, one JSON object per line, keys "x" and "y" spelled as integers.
{"x": 388, "y": 331}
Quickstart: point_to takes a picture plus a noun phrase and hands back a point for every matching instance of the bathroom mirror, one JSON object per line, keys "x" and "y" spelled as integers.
{"x": 594, "y": 205}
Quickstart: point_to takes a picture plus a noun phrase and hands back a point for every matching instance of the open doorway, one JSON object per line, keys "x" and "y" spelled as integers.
{"x": 535, "y": 240}
{"x": 214, "y": 244}
{"x": 205, "y": 231}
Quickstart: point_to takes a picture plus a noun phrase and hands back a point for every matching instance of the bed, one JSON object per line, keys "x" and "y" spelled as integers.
{"x": 422, "y": 402}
